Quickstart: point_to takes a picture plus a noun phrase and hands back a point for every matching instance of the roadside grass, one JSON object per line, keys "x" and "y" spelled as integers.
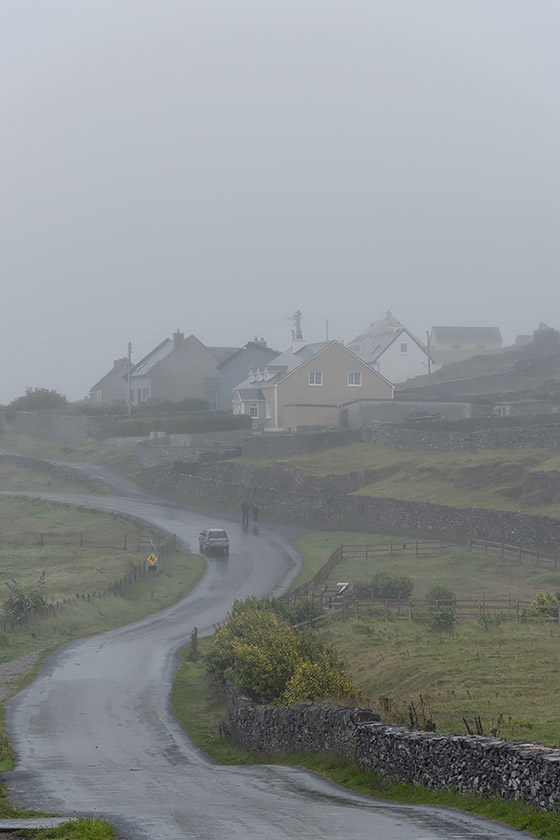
{"x": 81, "y": 829}
{"x": 431, "y": 476}
{"x": 203, "y": 713}
{"x": 83, "y": 552}
{"x": 61, "y": 450}
{"x": 504, "y": 673}
{"x": 470, "y": 575}
{"x": 16, "y": 477}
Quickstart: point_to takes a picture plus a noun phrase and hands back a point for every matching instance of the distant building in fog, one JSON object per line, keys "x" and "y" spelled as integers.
{"x": 454, "y": 344}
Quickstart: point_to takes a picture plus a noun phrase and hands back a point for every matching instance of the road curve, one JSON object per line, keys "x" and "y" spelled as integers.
{"x": 94, "y": 734}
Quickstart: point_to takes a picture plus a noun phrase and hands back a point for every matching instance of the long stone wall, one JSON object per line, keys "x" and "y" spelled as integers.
{"x": 490, "y": 766}
{"x": 478, "y": 433}
{"x": 367, "y": 511}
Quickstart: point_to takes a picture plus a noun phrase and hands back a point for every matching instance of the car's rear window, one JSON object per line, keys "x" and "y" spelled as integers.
{"x": 217, "y": 534}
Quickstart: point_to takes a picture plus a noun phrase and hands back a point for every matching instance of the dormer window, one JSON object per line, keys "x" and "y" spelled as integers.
{"x": 259, "y": 375}
{"x": 266, "y": 374}
{"x": 252, "y": 376}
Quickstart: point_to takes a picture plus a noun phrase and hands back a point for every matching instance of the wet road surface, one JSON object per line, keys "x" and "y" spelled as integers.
{"x": 94, "y": 734}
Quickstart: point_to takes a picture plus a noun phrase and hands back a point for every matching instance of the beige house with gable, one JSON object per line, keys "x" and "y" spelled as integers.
{"x": 307, "y": 386}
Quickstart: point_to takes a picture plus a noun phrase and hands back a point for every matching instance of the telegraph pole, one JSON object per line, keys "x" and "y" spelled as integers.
{"x": 129, "y": 377}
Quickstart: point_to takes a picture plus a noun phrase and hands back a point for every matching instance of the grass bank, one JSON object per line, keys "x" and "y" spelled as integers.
{"x": 462, "y": 478}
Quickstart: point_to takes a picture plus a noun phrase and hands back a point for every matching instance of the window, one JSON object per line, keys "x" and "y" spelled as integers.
{"x": 404, "y": 348}
{"x": 268, "y": 409}
{"x": 315, "y": 377}
{"x": 355, "y": 378}
{"x": 254, "y": 411}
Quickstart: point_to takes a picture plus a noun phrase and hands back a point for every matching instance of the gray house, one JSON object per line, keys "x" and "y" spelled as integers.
{"x": 235, "y": 368}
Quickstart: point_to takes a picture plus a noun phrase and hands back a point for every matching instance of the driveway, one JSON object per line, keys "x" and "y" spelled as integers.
{"x": 94, "y": 734}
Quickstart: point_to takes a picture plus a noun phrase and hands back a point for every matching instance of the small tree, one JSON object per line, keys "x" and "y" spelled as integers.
{"x": 545, "y": 338}
{"x": 38, "y": 399}
{"x": 441, "y": 595}
{"x": 385, "y": 585}
{"x": 21, "y": 601}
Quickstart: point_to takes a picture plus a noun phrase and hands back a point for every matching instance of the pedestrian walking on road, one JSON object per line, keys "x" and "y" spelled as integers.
{"x": 245, "y": 510}
{"x": 255, "y": 513}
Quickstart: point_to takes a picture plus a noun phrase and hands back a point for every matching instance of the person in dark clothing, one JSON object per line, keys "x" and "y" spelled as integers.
{"x": 245, "y": 510}
{"x": 255, "y": 512}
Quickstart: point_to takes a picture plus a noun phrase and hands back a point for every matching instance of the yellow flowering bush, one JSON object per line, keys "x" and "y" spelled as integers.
{"x": 269, "y": 661}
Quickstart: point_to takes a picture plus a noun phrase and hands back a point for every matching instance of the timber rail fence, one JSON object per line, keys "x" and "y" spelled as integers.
{"x": 351, "y": 606}
{"x": 163, "y": 546}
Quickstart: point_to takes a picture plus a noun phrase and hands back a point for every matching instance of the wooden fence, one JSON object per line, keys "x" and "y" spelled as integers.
{"x": 350, "y": 606}
{"x": 518, "y": 552}
{"x": 162, "y": 546}
{"x": 137, "y": 541}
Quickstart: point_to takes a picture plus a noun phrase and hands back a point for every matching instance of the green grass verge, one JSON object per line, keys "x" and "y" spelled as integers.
{"x": 204, "y": 715}
{"x": 432, "y": 476}
{"x": 81, "y": 829}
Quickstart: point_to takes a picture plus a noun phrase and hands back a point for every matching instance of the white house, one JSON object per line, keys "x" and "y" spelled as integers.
{"x": 390, "y": 348}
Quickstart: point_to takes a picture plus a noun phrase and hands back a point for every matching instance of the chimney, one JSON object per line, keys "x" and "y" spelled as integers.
{"x": 178, "y": 338}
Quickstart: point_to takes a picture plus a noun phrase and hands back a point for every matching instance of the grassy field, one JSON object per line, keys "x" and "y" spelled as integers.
{"x": 431, "y": 476}
{"x": 71, "y": 570}
{"x": 470, "y": 575}
{"x": 60, "y": 450}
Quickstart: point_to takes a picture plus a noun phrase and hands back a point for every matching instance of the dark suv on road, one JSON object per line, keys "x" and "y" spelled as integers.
{"x": 213, "y": 539}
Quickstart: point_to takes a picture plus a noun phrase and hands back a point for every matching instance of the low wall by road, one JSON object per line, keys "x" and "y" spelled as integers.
{"x": 367, "y": 511}
{"x": 469, "y": 763}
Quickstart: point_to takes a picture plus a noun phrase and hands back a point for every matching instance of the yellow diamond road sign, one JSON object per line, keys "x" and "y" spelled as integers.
{"x": 152, "y": 559}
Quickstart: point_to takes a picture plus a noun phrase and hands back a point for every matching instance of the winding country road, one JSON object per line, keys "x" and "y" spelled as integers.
{"x": 94, "y": 734}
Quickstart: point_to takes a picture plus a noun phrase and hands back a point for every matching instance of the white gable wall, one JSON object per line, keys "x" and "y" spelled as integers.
{"x": 398, "y": 364}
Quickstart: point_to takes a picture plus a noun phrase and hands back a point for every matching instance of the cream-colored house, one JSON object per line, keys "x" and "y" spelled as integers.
{"x": 306, "y": 386}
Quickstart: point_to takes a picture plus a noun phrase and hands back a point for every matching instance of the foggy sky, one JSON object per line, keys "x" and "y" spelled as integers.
{"x": 214, "y": 165}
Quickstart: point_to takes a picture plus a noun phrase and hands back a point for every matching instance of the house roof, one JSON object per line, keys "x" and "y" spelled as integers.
{"x": 249, "y": 393}
{"x": 223, "y": 353}
{"x": 162, "y": 350}
{"x": 238, "y": 350}
{"x": 387, "y": 325}
{"x": 476, "y": 334}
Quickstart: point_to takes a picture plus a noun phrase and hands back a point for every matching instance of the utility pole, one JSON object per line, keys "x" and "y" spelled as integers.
{"x": 129, "y": 377}
{"x": 429, "y": 359}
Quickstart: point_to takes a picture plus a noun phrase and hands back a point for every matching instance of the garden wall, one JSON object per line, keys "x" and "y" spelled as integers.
{"x": 490, "y": 766}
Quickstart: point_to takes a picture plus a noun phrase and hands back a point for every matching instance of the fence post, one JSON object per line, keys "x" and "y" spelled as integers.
{"x": 194, "y": 642}
{"x": 390, "y": 549}
{"x": 409, "y": 610}
{"x": 485, "y": 544}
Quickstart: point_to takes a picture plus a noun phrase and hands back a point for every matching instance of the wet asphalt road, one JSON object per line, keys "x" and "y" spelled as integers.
{"x": 94, "y": 734}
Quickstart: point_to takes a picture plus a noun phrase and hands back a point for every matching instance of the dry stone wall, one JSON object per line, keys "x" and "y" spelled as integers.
{"x": 366, "y": 511}
{"x": 490, "y": 766}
